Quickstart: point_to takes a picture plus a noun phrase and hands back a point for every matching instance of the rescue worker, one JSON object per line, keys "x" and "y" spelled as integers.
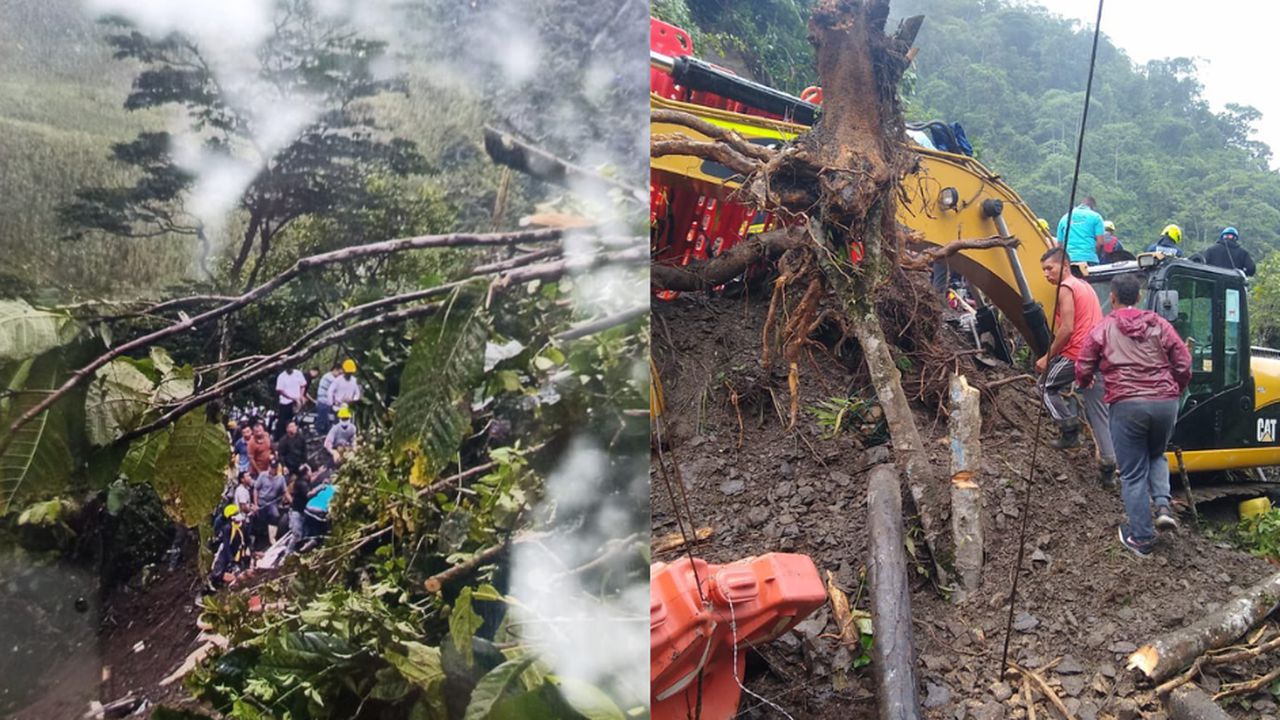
{"x": 297, "y": 496}
{"x": 1146, "y": 367}
{"x": 324, "y": 411}
{"x": 344, "y": 390}
{"x": 1111, "y": 250}
{"x": 1044, "y": 227}
{"x": 1086, "y": 232}
{"x": 1078, "y": 311}
{"x": 1170, "y": 239}
{"x": 341, "y": 440}
{"x": 232, "y": 555}
{"x": 1227, "y": 253}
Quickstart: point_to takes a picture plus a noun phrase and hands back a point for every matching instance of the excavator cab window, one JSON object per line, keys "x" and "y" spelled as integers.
{"x": 1195, "y": 325}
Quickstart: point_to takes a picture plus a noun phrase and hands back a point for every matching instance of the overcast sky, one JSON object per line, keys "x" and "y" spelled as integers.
{"x": 1233, "y": 41}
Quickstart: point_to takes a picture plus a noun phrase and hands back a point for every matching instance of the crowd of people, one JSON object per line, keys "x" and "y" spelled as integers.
{"x": 276, "y": 500}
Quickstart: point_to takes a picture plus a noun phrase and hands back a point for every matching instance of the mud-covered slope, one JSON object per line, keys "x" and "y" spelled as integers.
{"x": 761, "y": 488}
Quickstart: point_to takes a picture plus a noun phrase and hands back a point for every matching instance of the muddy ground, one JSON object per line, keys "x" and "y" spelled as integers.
{"x": 1083, "y": 602}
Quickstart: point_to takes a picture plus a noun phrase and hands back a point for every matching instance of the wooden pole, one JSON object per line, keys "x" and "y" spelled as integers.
{"x": 893, "y": 653}
{"x": 965, "y": 428}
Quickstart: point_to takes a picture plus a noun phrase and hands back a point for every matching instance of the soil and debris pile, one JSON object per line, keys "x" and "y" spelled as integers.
{"x": 1084, "y": 603}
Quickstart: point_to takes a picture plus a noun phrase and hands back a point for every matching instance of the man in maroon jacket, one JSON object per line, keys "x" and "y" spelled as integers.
{"x": 1145, "y": 368}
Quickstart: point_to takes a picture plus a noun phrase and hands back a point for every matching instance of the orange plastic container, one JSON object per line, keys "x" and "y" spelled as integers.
{"x": 693, "y": 630}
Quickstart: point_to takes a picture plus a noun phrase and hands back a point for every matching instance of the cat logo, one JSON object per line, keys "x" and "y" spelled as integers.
{"x": 1267, "y": 430}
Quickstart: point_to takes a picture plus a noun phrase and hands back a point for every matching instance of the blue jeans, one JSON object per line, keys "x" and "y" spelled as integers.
{"x": 1141, "y": 429}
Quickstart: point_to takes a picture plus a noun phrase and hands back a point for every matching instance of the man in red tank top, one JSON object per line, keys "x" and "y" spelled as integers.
{"x": 1078, "y": 311}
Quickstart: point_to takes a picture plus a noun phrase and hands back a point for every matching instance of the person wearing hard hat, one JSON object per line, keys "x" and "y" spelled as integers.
{"x": 1044, "y": 227}
{"x": 232, "y": 555}
{"x": 1227, "y": 253}
{"x": 341, "y": 439}
{"x": 1168, "y": 244}
{"x": 345, "y": 389}
{"x": 1111, "y": 250}
{"x": 324, "y": 410}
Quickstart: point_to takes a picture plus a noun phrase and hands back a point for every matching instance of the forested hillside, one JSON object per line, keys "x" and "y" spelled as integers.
{"x": 1014, "y": 77}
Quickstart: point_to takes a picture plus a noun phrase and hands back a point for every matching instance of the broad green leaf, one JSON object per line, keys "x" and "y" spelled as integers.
{"x": 177, "y": 384}
{"x": 161, "y": 361}
{"x": 191, "y": 471}
{"x": 432, "y": 412}
{"x": 39, "y": 459}
{"x": 528, "y": 705}
{"x": 463, "y": 624}
{"x": 116, "y": 401}
{"x": 26, "y": 332}
{"x": 494, "y": 686}
{"x": 140, "y": 462}
{"x": 587, "y": 700}
{"x": 390, "y": 685}
{"x": 419, "y": 664}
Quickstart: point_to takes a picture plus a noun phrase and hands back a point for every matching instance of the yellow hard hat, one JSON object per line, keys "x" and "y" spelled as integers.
{"x": 344, "y": 412}
{"x": 231, "y": 424}
{"x": 1044, "y": 225}
{"x": 348, "y": 365}
{"x": 231, "y": 510}
{"x": 1109, "y": 226}
{"x": 1173, "y": 232}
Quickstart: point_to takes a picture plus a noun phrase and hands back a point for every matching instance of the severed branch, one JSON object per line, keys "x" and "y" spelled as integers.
{"x": 378, "y": 249}
{"x": 734, "y": 262}
{"x": 924, "y": 259}
{"x": 1253, "y": 685}
{"x": 1211, "y": 659}
{"x": 592, "y": 327}
{"x": 507, "y": 149}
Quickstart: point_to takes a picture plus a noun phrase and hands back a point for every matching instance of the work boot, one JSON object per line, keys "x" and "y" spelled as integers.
{"x": 1165, "y": 519}
{"x": 1069, "y": 438}
{"x": 1107, "y": 475}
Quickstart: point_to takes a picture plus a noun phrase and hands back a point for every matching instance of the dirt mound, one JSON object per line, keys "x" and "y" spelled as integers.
{"x": 1083, "y": 600}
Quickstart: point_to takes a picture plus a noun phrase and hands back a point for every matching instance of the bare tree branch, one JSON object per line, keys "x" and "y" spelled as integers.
{"x": 507, "y": 149}
{"x": 585, "y": 329}
{"x": 924, "y": 259}
{"x": 662, "y": 145}
{"x": 729, "y": 137}
{"x": 305, "y": 264}
{"x": 284, "y": 358}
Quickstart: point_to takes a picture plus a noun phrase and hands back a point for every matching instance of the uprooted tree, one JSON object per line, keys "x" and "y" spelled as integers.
{"x": 838, "y": 186}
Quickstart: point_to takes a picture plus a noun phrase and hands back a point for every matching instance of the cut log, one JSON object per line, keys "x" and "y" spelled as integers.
{"x": 1166, "y": 655}
{"x": 892, "y": 654}
{"x": 965, "y": 427}
{"x": 1189, "y": 702}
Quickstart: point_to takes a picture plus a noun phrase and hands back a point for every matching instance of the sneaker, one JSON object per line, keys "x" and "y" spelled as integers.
{"x": 1140, "y": 549}
{"x": 1165, "y": 519}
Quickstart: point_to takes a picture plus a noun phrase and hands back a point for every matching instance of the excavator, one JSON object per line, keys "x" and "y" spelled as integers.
{"x": 1228, "y": 420}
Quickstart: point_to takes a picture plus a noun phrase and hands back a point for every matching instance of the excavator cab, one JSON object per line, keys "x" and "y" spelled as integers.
{"x": 1228, "y": 413}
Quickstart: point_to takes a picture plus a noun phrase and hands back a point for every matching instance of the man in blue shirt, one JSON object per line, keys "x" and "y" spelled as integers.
{"x": 1087, "y": 232}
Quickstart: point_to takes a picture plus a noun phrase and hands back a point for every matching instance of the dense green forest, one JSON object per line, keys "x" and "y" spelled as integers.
{"x": 1014, "y": 76}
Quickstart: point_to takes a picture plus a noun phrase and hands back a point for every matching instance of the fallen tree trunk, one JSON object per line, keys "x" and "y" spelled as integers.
{"x": 1191, "y": 703}
{"x": 893, "y": 653}
{"x": 1166, "y": 655}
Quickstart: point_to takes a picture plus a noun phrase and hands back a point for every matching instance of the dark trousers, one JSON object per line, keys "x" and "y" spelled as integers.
{"x": 1141, "y": 430}
{"x": 284, "y": 416}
